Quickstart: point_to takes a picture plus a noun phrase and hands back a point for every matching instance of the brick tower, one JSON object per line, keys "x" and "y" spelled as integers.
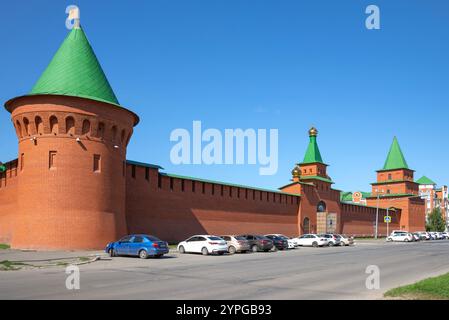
{"x": 396, "y": 188}
{"x": 72, "y": 136}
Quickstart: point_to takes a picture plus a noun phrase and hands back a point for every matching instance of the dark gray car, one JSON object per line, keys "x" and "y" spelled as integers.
{"x": 258, "y": 242}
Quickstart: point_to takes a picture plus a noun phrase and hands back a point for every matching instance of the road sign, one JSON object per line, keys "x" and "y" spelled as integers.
{"x": 387, "y": 219}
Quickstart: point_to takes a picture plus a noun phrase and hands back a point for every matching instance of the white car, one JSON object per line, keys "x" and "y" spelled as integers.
{"x": 345, "y": 240}
{"x": 205, "y": 244}
{"x": 312, "y": 240}
{"x": 402, "y": 237}
{"x": 292, "y": 243}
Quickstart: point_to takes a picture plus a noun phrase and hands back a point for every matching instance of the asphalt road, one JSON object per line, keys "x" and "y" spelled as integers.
{"x": 304, "y": 273}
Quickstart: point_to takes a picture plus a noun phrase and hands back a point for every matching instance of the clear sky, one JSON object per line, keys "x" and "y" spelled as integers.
{"x": 266, "y": 64}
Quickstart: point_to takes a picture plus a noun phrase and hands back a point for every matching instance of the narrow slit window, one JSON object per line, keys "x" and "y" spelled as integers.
{"x": 52, "y": 160}
{"x": 133, "y": 171}
{"x": 97, "y": 163}
{"x": 22, "y": 162}
{"x": 147, "y": 174}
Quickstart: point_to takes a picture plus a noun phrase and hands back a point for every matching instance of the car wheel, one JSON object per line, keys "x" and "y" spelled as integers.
{"x": 204, "y": 251}
{"x": 112, "y": 253}
{"x": 254, "y": 248}
{"x": 232, "y": 250}
{"x": 406, "y": 240}
{"x": 182, "y": 250}
{"x": 143, "y": 254}
{"x": 315, "y": 244}
{"x": 331, "y": 244}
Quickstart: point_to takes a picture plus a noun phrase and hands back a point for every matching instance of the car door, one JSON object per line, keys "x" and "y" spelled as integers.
{"x": 122, "y": 246}
{"x": 190, "y": 244}
{"x": 135, "y": 245}
{"x": 311, "y": 239}
{"x": 200, "y": 244}
{"x": 251, "y": 239}
{"x": 302, "y": 240}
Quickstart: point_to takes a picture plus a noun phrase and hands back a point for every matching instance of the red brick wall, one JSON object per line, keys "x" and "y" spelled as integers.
{"x": 8, "y": 201}
{"x": 360, "y": 220}
{"x": 174, "y": 215}
{"x": 412, "y": 211}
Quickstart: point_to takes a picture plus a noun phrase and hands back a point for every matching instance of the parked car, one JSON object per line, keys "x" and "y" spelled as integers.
{"x": 441, "y": 235}
{"x": 236, "y": 244}
{"x": 312, "y": 240}
{"x": 278, "y": 242}
{"x": 345, "y": 240}
{"x": 433, "y": 236}
{"x": 398, "y": 231}
{"x": 423, "y": 235}
{"x": 258, "y": 242}
{"x": 416, "y": 236}
{"x": 141, "y": 245}
{"x": 292, "y": 243}
{"x": 334, "y": 240}
{"x": 204, "y": 244}
{"x": 446, "y": 235}
{"x": 403, "y": 237}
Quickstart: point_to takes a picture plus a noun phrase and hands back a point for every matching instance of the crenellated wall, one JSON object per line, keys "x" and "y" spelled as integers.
{"x": 8, "y": 200}
{"x": 174, "y": 208}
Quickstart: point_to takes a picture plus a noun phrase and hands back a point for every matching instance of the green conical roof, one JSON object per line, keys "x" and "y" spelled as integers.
{"x": 395, "y": 158}
{"x": 75, "y": 71}
{"x": 313, "y": 152}
{"x": 425, "y": 180}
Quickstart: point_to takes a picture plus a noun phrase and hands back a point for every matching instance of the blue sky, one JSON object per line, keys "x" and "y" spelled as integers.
{"x": 267, "y": 64}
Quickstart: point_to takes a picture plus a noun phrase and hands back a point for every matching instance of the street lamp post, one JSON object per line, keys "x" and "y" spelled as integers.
{"x": 377, "y": 213}
{"x": 388, "y": 222}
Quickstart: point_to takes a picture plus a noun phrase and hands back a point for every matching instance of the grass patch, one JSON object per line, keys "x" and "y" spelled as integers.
{"x": 84, "y": 259}
{"x": 436, "y": 288}
{"x": 4, "y": 246}
{"x": 63, "y": 264}
{"x": 173, "y": 246}
{"x": 11, "y": 265}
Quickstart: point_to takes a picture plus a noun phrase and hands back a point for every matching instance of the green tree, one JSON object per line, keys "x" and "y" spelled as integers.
{"x": 435, "y": 222}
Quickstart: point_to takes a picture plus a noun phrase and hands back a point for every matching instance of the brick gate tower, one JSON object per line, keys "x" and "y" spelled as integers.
{"x": 72, "y": 136}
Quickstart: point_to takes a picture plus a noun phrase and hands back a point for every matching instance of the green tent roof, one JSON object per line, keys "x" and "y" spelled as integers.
{"x": 75, "y": 71}
{"x": 395, "y": 158}
{"x": 425, "y": 180}
{"x": 313, "y": 152}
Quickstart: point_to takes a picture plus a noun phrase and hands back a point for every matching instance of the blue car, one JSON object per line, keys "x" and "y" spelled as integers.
{"x": 140, "y": 245}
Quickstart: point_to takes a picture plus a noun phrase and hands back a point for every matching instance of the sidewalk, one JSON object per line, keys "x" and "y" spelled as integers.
{"x": 17, "y": 259}
{"x": 41, "y": 256}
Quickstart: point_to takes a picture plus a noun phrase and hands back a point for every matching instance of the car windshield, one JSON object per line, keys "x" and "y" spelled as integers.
{"x": 262, "y": 238}
{"x": 215, "y": 238}
{"x": 239, "y": 238}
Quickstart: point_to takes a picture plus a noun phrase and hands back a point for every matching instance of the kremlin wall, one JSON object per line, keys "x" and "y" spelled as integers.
{"x": 71, "y": 186}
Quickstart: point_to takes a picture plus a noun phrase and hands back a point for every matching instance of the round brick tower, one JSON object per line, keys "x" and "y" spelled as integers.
{"x": 72, "y": 136}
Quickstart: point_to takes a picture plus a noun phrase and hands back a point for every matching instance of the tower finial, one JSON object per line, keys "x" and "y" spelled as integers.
{"x": 73, "y": 19}
{"x": 313, "y": 132}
